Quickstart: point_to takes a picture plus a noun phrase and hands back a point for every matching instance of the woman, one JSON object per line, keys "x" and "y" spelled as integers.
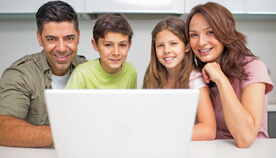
{"x": 238, "y": 81}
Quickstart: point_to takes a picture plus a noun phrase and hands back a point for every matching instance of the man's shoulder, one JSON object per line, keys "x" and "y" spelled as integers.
{"x": 79, "y": 59}
{"x": 27, "y": 59}
{"x": 24, "y": 69}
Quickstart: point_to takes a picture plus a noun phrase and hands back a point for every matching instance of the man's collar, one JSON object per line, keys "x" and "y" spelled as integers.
{"x": 46, "y": 66}
{"x": 44, "y": 62}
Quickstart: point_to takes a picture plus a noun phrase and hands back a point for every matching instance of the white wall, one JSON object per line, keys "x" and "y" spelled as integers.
{"x": 18, "y": 38}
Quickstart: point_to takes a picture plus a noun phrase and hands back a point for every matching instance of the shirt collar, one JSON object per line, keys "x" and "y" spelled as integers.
{"x": 44, "y": 63}
{"x": 46, "y": 67}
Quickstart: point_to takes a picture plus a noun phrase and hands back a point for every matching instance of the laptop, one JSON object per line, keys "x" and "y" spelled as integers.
{"x": 138, "y": 123}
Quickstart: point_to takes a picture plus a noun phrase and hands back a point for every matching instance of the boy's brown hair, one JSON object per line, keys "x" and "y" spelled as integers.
{"x": 113, "y": 22}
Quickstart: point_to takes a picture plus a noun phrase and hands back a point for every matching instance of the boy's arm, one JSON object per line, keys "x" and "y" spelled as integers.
{"x": 134, "y": 86}
{"x": 135, "y": 83}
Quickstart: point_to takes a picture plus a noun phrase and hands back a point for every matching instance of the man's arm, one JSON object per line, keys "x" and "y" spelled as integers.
{"x": 19, "y": 133}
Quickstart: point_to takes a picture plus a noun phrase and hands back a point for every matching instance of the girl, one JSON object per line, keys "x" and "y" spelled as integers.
{"x": 238, "y": 80}
{"x": 171, "y": 66}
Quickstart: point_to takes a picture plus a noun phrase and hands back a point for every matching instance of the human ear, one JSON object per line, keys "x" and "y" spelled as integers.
{"x": 78, "y": 36}
{"x": 94, "y": 44}
{"x": 39, "y": 38}
{"x": 187, "y": 49}
{"x": 130, "y": 42}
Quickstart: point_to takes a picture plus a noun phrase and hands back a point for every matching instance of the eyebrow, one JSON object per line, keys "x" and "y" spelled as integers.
{"x": 124, "y": 41}
{"x": 71, "y": 35}
{"x": 159, "y": 42}
{"x": 51, "y": 36}
{"x": 173, "y": 40}
{"x": 113, "y": 41}
{"x": 204, "y": 29}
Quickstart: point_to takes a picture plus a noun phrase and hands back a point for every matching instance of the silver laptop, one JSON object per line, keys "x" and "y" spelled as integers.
{"x": 122, "y": 123}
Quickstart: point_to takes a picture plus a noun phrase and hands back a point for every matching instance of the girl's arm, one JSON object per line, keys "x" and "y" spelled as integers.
{"x": 205, "y": 129}
{"x": 243, "y": 118}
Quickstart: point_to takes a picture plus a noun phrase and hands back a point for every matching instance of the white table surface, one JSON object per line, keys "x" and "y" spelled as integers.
{"x": 262, "y": 148}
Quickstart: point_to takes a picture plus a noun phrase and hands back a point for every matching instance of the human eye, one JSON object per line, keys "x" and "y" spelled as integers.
{"x": 70, "y": 39}
{"x": 159, "y": 45}
{"x": 210, "y": 32}
{"x": 174, "y": 43}
{"x": 123, "y": 45}
{"x": 50, "y": 39}
{"x": 193, "y": 34}
{"x": 107, "y": 45}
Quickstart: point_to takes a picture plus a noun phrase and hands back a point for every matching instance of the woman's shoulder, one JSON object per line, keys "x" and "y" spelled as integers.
{"x": 258, "y": 72}
{"x": 254, "y": 64}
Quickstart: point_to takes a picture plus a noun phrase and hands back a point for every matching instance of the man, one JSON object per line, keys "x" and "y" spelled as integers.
{"x": 23, "y": 116}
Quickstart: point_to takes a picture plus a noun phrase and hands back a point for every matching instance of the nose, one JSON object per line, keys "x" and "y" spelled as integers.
{"x": 61, "y": 46}
{"x": 167, "y": 49}
{"x": 116, "y": 51}
{"x": 202, "y": 40}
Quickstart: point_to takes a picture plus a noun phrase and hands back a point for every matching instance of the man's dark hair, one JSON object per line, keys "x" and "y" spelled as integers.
{"x": 56, "y": 11}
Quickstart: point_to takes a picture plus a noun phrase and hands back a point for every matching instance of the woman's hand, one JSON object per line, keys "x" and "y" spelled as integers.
{"x": 212, "y": 72}
{"x": 243, "y": 116}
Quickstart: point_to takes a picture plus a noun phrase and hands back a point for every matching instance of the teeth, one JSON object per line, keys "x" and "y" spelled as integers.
{"x": 61, "y": 56}
{"x": 205, "y": 50}
{"x": 169, "y": 58}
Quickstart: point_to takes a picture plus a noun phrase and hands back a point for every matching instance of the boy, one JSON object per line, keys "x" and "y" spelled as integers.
{"x": 112, "y": 36}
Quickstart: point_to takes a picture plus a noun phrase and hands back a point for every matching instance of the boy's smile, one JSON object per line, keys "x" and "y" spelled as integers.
{"x": 113, "y": 49}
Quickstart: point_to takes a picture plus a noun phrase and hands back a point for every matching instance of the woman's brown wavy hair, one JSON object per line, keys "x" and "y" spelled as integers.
{"x": 156, "y": 74}
{"x": 223, "y": 25}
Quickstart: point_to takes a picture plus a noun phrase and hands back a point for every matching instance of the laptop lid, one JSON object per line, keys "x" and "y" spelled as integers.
{"x": 122, "y": 123}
